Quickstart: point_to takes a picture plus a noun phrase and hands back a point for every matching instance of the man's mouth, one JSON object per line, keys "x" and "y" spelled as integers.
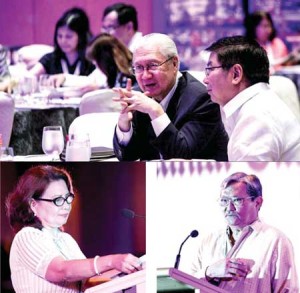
{"x": 149, "y": 86}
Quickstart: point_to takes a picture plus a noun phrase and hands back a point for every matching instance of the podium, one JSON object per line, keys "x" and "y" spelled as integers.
{"x": 203, "y": 285}
{"x": 132, "y": 283}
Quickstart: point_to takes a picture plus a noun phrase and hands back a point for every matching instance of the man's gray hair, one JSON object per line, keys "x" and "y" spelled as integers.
{"x": 253, "y": 185}
{"x": 166, "y": 45}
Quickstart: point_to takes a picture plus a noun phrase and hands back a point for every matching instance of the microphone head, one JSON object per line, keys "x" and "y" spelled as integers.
{"x": 194, "y": 233}
{"x": 128, "y": 213}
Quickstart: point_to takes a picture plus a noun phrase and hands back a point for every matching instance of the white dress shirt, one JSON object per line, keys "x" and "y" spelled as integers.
{"x": 267, "y": 251}
{"x": 261, "y": 127}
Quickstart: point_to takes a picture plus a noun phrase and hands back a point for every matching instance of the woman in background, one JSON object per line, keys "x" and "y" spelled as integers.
{"x": 43, "y": 258}
{"x": 72, "y": 34}
{"x": 113, "y": 66}
{"x": 113, "y": 58}
{"x": 259, "y": 26}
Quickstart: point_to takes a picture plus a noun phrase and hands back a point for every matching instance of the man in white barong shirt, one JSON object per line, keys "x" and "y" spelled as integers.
{"x": 248, "y": 256}
{"x": 260, "y": 125}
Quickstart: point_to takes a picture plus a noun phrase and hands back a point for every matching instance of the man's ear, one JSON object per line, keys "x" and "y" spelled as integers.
{"x": 175, "y": 61}
{"x": 259, "y": 201}
{"x": 237, "y": 73}
{"x": 129, "y": 26}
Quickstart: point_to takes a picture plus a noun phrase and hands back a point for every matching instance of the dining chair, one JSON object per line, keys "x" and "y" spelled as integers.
{"x": 286, "y": 89}
{"x": 99, "y": 126}
{"x": 7, "y": 107}
{"x": 98, "y": 101}
{"x": 31, "y": 54}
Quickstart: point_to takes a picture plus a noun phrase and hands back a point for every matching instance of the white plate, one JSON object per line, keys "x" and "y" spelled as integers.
{"x": 68, "y": 91}
{"x": 32, "y": 158}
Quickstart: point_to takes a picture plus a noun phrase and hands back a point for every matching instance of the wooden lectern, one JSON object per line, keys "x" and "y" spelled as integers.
{"x": 132, "y": 283}
{"x": 203, "y": 285}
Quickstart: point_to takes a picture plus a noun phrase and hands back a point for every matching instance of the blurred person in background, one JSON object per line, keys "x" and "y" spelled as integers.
{"x": 113, "y": 58}
{"x": 113, "y": 66}
{"x": 259, "y": 26}
{"x": 72, "y": 34}
{"x": 121, "y": 21}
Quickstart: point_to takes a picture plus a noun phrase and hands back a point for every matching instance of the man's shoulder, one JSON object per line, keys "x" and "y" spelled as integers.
{"x": 190, "y": 86}
{"x": 267, "y": 230}
{"x": 191, "y": 80}
{"x": 213, "y": 236}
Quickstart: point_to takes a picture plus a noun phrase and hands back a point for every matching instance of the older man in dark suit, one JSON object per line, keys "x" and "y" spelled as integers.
{"x": 173, "y": 117}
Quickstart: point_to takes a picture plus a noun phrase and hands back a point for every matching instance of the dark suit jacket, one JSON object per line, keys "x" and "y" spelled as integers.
{"x": 195, "y": 131}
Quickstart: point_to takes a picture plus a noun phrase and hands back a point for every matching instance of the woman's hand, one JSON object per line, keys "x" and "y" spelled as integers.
{"x": 126, "y": 263}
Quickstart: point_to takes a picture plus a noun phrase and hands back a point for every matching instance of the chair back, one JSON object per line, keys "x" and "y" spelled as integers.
{"x": 286, "y": 89}
{"x": 31, "y": 54}
{"x": 7, "y": 107}
{"x": 99, "y": 101}
{"x": 99, "y": 126}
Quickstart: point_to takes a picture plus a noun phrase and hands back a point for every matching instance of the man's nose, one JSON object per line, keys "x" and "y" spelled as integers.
{"x": 205, "y": 80}
{"x": 146, "y": 73}
{"x": 230, "y": 206}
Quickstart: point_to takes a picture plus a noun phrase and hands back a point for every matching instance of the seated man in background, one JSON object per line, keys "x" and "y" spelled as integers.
{"x": 260, "y": 125}
{"x": 247, "y": 256}
{"x": 121, "y": 21}
{"x": 174, "y": 117}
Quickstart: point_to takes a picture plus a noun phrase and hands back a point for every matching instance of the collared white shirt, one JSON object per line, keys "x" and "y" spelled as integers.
{"x": 261, "y": 127}
{"x": 265, "y": 249}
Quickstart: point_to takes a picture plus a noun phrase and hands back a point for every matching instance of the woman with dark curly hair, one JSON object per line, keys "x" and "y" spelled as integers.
{"x": 43, "y": 258}
{"x": 71, "y": 36}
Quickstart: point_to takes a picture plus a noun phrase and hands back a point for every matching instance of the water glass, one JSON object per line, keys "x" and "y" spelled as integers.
{"x": 46, "y": 85}
{"x": 6, "y": 154}
{"x": 53, "y": 141}
{"x": 78, "y": 148}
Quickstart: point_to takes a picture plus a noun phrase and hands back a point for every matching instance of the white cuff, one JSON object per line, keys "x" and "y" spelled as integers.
{"x": 160, "y": 123}
{"x": 124, "y": 137}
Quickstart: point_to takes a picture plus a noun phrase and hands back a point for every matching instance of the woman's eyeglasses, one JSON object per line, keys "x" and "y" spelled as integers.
{"x": 60, "y": 200}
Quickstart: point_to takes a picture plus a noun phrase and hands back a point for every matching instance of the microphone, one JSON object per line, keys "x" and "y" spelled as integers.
{"x": 131, "y": 214}
{"x": 193, "y": 234}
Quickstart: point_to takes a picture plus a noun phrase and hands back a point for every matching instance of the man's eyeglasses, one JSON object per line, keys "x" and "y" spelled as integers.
{"x": 236, "y": 201}
{"x": 138, "y": 69}
{"x": 60, "y": 200}
{"x": 209, "y": 69}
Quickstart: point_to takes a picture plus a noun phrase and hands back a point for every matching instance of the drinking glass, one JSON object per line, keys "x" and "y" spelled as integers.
{"x": 78, "y": 148}
{"x": 6, "y": 154}
{"x": 53, "y": 141}
{"x": 46, "y": 85}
